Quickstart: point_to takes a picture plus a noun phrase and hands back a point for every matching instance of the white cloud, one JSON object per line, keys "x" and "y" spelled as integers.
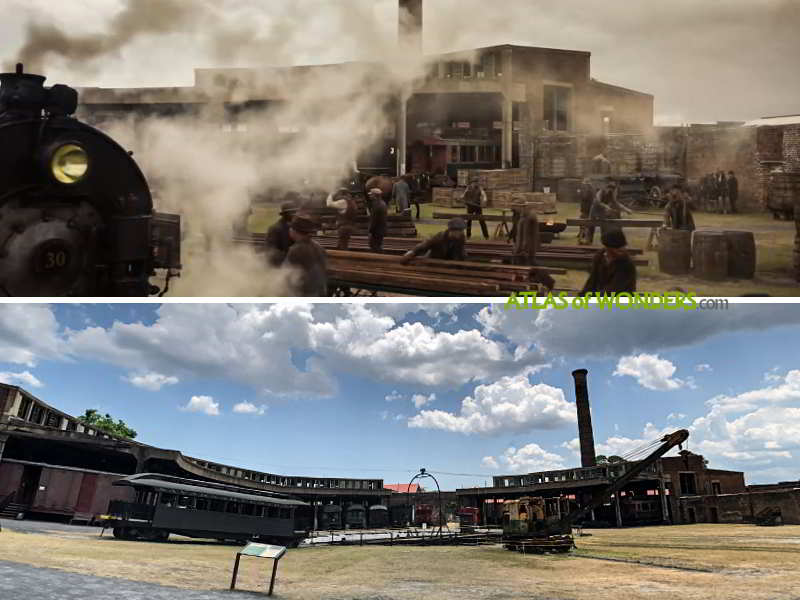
{"x": 256, "y": 345}
{"x": 394, "y": 396}
{"x": 676, "y": 416}
{"x": 489, "y": 462}
{"x": 650, "y": 371}
{"x": 202, "y": 404}
{"x": 421, "y": 400}
{"x": 23, "y": 379}
{"x": 529, "y": 458}
{"x": 29, "y": 333}
{"x": 150, "y": 381}
{"x": 784, "y": 390}
{"x": 703, "y": 368}
{"x": 511, "y": 404}
{"x": 248, "y": 408}
{"x": 621, "y": 333}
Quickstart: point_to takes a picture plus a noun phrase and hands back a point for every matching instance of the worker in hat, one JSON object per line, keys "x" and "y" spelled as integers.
{"x": 474, "y": 199}
{"x": 612, "y": 270}
{"x": 307, "y": 257}
{"x": 401, "y": 194}
{"x": 527, "y": 241}
{"x": 446, "y": 245}
{"x": 342, "y": 200}
{"x": 378, "y": 217}
{"x": 278, "y": 240}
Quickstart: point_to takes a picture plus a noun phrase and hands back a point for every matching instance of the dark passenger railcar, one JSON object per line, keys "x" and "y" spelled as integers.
{"x": 164, "y": 504}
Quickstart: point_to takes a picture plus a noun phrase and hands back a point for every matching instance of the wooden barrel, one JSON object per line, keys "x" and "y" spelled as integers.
{"x": 741, "y": 254}
{"x": 675, "y": 251}
{"x": 710, "y": 255}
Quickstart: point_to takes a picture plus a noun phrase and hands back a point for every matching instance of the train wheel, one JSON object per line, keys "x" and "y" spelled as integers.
{"x": 119, "y": 533}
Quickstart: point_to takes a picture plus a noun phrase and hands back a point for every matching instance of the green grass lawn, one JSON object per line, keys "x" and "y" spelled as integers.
{"x": 774, "y": 243}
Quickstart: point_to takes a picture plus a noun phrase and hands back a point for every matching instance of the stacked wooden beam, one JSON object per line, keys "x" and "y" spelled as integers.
{"x": 572, "y": 257}
{"x": 429, "y": 276}
{"x": 397, "y": 225}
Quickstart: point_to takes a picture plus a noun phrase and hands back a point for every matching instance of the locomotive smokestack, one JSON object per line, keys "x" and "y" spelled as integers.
{"x": 410, "y": 26}
{"x": 585, "y": 433}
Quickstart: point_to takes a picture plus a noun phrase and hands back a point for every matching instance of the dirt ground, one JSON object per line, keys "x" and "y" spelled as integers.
{"x": 774, "y": 243}
{"x": 691, "y": 562}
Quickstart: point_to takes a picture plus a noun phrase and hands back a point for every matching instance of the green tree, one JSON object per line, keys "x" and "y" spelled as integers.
{"x": 601, "y": 459}
{"x": 615, "y": 459}
{"x": 106, "y": 423}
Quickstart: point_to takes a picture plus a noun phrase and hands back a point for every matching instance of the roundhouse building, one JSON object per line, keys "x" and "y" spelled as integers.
{"x": 54, "y": 465}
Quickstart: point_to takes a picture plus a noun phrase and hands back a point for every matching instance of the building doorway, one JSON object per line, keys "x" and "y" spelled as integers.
{"x": 691, "y": 516}
{"x": 29, "y": 485}
{"x": 714, "y": 514}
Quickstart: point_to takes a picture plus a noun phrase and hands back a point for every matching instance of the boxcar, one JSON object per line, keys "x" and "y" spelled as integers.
{"x": 164, "y": 504}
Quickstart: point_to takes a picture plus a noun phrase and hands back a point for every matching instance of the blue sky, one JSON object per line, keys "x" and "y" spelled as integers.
{"x": 380, "y": 390}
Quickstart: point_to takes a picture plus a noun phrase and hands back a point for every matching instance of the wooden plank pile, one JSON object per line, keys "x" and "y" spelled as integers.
{"x": 397, "y": 225}
{"x": 517, "y": 180}
{"x": 426, "y": 275}
{"x": 551, "y": 259}
{"x": 543, "y": 204}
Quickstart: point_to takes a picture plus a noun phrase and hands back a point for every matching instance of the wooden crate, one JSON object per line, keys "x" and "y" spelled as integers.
{"x": 450, "y": 197}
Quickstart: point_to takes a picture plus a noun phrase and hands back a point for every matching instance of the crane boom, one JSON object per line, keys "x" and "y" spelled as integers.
{"x": 668, "y": 442}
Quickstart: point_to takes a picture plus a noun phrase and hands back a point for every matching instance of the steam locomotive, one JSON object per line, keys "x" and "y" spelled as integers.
{"x": 76, "y": 214}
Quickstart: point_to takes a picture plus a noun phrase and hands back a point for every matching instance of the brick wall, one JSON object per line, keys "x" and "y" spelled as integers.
{"x": 714, "y": 148}
{"x": 791, "y": 148}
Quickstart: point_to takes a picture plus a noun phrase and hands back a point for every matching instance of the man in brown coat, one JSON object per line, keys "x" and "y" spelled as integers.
{"x": 307, "y": 257}
{"x": 613, "y": 270}
{"x": 378, "y": 217}
{"x": 678, "y": 212}
{"x": 445, "y": 245}
{"x": 527, "y": 242}
{"x": 278, "y": 240}
{"x": 342, "y": 200}
{"x": 475, "y": 199}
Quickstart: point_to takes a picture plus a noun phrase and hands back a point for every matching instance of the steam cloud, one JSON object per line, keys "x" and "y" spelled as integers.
{"x": 208, "y": 175}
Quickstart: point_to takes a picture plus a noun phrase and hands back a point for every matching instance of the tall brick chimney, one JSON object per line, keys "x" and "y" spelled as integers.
{"x": 585, "y": 433}
{"x": 410, "y": 26}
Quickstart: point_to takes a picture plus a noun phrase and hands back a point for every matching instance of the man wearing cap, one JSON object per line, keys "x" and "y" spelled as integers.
{"x": 307, "y": 257}
{"x": 377, "y": 219}
{"x": 678, "y": 211}
{"x": 445, "y": 245}
{"x": 475, "y": 199}
{"x": 342, "y": 200}
{"x": 613, "y": 270}
{"x": 278, "y": 240}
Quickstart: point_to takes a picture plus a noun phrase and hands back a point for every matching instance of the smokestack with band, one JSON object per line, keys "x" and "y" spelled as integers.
{"x": 410, "y": 26}
{"x": 588, "y": 458}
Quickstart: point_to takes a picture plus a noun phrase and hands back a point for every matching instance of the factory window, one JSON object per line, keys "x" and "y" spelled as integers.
{"x": 688, "y": 484}
{"x": 556, "y": 107}
{"x": 466, "y": 70}
{"x": 23, "y": 407}
{"x": 272, "y": 512}
{"x": 168, "y": 499}
{"x": 716, "y": 488}
{"x": 467, "y": 154}
{"x": 487, "y": 66}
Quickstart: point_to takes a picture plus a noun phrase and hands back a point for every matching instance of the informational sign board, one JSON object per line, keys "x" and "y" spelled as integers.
{"x": 264, "y": 551}
{"x": 259, "y": 551}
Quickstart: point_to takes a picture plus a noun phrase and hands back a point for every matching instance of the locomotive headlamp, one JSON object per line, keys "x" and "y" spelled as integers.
{"x": 69, "y": 163}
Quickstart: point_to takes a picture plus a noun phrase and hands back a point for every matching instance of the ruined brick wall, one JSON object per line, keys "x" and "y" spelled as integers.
{"x": 740, "y": 508}
{"x": 559, "y": 155}
{"x": 714, "y": 148}
{"x": 791, "y": 148}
